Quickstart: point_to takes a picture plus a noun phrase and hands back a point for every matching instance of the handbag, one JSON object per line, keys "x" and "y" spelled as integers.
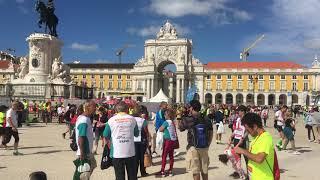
{"x": 176, "y": 144}
{"x": 147, "y": 159}
{"x": 106, "y": 161}
{"x": 220, "y": 128}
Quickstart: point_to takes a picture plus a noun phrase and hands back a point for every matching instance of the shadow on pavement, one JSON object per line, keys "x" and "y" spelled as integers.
{"x": 214, "y": 167}
{"x": 303, "y": 147}
{"x": 304, "y": 150}
{"x": 3, "y": 167}
{"x": 159, "y": 161}
{"x": 34, "y": 147}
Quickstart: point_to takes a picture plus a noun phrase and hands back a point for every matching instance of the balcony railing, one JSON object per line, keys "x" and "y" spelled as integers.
{"x": 139, "y": 89}
{"x": 239, "y": 90}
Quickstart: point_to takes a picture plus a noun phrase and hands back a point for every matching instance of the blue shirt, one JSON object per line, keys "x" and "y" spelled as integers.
{"x": 159, "y": 119}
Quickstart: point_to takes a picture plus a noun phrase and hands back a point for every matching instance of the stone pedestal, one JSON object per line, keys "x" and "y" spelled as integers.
{"x": 43, "y": 48}
{"x": 35, "y": 82}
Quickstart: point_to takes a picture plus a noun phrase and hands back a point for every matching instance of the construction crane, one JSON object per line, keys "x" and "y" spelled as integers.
{"x": 120, "y": 51}
{"x": 245, "y": 53}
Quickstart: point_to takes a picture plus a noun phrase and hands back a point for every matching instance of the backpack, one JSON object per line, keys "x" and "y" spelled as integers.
{"x": 200, "y": 136}
{"x": 276, "y": 170}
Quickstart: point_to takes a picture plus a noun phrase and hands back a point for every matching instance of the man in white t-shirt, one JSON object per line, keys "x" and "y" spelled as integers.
{"x": 121, "y": 130}
{"x": 84, "y": 137}
{"x": 12, "y": 127}
{"x": 279, "y": 124}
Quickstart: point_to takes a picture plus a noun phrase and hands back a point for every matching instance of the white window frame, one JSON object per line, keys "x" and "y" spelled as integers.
{"x": 208, "y": 87}
{"x": 239, "y": 85}
{"x": 272, "y": 85}
{"x": 219, "y": 86}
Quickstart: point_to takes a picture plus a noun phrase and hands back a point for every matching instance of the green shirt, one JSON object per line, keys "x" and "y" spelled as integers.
{"x": 169, "y": 132}
{"x": 82, "y": 129}
{"x": 262, "y": 144}
{"x": 2, "y": 116}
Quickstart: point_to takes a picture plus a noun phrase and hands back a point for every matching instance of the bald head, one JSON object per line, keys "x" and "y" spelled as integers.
{"x": 89, "y": 107}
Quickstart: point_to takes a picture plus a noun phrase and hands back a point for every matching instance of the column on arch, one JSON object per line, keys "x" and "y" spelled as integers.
{"x": 178, "y": 91}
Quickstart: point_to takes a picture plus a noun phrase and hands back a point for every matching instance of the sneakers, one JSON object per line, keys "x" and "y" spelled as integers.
{"x": 154, "y": 155}
{"x": 176, "y": 153}
{"x": 311, "y": 140}
{"x": 16, "y": 153}
{"x": 170, "y": 173}
{"x": 296, "y": 153}
{"x": 144, "y": 174}
{"x": 161, "y": 174}
{"x": 279, "y": 147}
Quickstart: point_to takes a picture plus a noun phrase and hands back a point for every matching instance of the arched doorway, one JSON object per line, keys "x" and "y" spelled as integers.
{"x": 283, "y": 99}
{"x": 271, "y": 99}
{"x": 260, "y": 100}
{"x": 218, "y": 98}
{"x": 250, "y": 99}
{"x": 239, "y": 99}
{"x": 229, "y": 99}
{"x": 308, "y": 100}
{"x": 208, "y": 98}
{"x": 295, "y": 99}
{"x": 196, "y": 96}
{"x": 167, "y": 81}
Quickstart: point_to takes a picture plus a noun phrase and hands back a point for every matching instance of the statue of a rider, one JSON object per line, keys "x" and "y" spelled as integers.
{"x": 47, "y": 16}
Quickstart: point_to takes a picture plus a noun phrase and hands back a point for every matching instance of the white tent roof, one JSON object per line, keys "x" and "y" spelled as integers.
{"x": 159, "y": 97}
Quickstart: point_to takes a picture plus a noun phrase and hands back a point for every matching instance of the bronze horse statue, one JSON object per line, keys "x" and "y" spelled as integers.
{"x": 47, "y": 17}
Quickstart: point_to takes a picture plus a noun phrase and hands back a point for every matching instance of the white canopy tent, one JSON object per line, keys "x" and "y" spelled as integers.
{"x": 160, "y": 97}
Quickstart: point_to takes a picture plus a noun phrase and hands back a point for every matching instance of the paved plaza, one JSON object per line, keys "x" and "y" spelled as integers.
{"x": 45, "y": 150}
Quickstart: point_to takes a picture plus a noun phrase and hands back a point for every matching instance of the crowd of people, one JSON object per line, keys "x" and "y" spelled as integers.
{"x": 129, "y": 143}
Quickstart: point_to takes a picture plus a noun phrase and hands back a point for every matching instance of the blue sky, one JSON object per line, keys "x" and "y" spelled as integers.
{"x": 93, "y": 30}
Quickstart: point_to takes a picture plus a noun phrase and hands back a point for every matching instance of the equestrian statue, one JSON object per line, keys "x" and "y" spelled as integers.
{"x": 47, "y": 17}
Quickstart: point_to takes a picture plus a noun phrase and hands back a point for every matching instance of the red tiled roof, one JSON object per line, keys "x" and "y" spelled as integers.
{"x": 251, "y": 65}
{"x": 5, "y": 64}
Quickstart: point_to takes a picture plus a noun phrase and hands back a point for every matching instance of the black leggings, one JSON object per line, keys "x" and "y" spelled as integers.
{"x": 310, "y": 129}
{"x": 7, "y": 136}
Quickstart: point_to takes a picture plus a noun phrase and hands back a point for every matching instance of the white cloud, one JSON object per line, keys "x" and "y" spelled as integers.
{"x": 23, "y": 10}
{"x": 101, "y": 61}
{"x": 216, "y": 10}
{"x": 292, "y": 30}
{"x": 152, "y": 30}
{"x": 84, "y": 47}
{"x": 131, "y": 11}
